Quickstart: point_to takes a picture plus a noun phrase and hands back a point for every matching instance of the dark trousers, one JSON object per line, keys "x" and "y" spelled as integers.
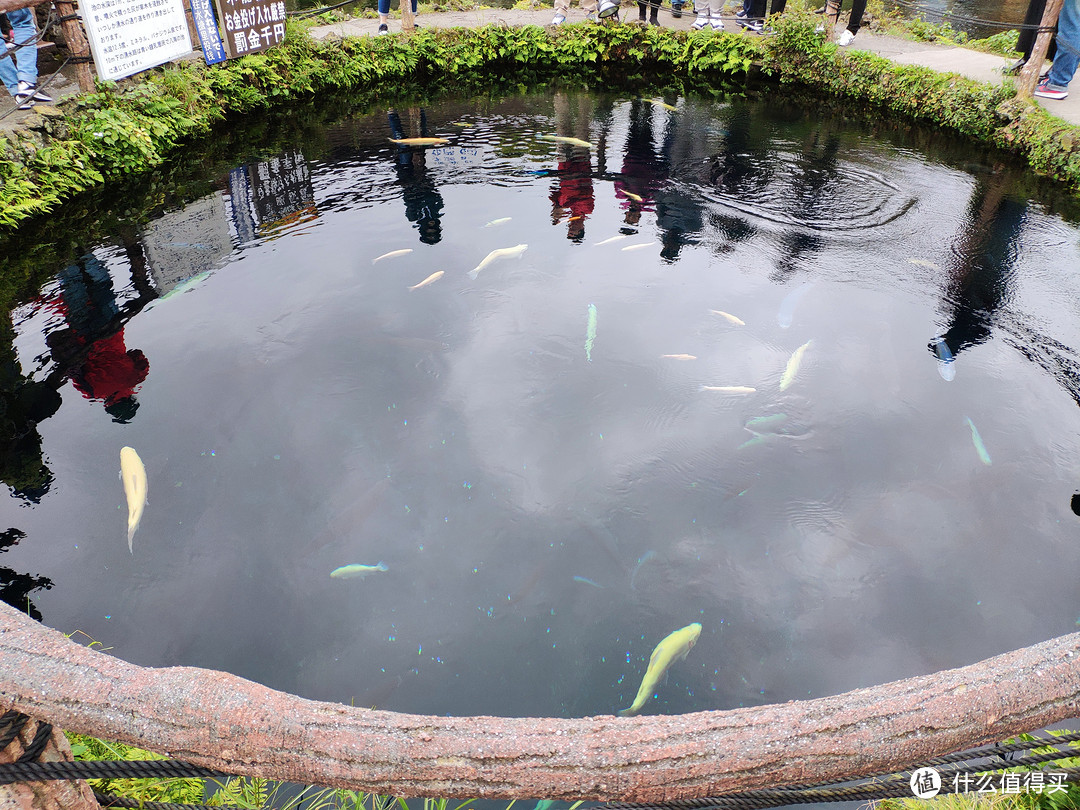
{"x": 1026, "y": 41}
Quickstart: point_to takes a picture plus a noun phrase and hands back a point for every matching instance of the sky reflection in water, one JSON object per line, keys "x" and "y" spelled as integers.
{"x": 575, "y": 453}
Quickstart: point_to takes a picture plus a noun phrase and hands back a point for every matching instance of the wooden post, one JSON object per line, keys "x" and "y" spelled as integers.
{"x": 1029, "y": 76}
{"x": 408, "y": 22}
{"x": 53, "y": 795}
{"x": 76, "y": 42}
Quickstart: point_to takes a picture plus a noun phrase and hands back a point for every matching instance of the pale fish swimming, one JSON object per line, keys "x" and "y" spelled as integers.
{"x": 671, "y": 649}
{"x": 924, "y": 263}
{"x": 639, "y": 246}
{"x": 590, "y": 332}
{"x": 728, "y": 316}
{"x": 760, "y": 424}
{"x": 393, "y": 254}
{"x": 496, "y": 222}
{"x": 786, "y": 314}
{"x": 793, "y": 366}
{"x": 760, "y": 438}
{"x": 611, "y": 239}
{"x": 945, "y": 359}
{"x": 419, "y": 141}
{"x": 357, "y": 570}
{"x": 567, "y": 140}
{"x": 587, "y": 581}
{"x": 430, "y": 279}
{"x": 498, "y": 253}
{"x": 186, "y": 285}
{"x": 679, "y": 356}
{"x": 133, "y": 474}
{"x": 632, "y": 196}
{"x": 976, "y": 439}
{"x": 662, "y": 104}
{"x": 729, "y": 389}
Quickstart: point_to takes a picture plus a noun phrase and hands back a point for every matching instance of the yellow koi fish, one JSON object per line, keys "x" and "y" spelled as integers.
{"x": 662, "y": 104}
{"x": 632, "y": 196}
{"x": 679, "y": 356}
{"x": 393, "y": 254}
{"x": 673, "y": 648}
{"x": 357, "y": 570}
{"x": 793, "y": 366}
{"x": 639, "y": 247}
{"x": 419, "y": 141}
{"x": 729, "y": 389}
{"x": 564, "y": 139}
{"x": 433, "y": 277}
{"x": 499, "y": 253}
{"x": 133, "y": 474}
{"x": 728, "y": 316}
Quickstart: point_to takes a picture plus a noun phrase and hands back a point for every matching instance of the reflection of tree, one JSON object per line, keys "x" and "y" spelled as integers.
{"x": 423, "y": 203}
{"x": 15, "y": 588}
{"x": 572, "y": 193}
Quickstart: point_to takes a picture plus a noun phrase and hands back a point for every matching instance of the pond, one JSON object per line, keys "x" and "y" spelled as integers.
{"x": 808, "y": 382}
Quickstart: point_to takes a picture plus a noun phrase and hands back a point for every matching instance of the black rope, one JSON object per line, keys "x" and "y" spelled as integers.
{"x": 105, "y": 769}
{"x": 14, "y": 721}
{"x": 66, "y": 17}
{"x": 37, "y": 745}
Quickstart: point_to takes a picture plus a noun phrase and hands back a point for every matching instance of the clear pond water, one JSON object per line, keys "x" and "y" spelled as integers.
{"x": 574, "y": 453}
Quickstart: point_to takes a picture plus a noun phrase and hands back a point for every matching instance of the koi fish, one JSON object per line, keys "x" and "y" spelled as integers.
{"x": 393, "y": 254}
{"x": 793, "y": 366}
{"x": 186, "y": 285}
{"x": 133, "y": 474}
{"x": 980, "y": 448}
{"x": 587, "y": 581}
{"x": 671, "y": 649}
{"x": 499, "y": 221}
{"x": 433, "y": 277}
{"x": 419, "y": 141}
{"x": 499, "y": 253}
{"x": 662, "y": 104}
{"x": 357, "y": 571}
{"x": 728, "y": 316}
{"x": 729, "y": 389}
{"x": 611, "y": 239}
{"x": 679, "y": 356}
{"x": 760, "y": 423}
{"x": 590, "y": 332}
{"x": 632, "y": 196}
{"x": 924, "y": 263}
{"x": 564, "y": 139}
{"x": 639, "y": 247}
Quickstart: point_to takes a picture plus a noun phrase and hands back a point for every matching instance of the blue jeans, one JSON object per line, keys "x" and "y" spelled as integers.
{"x": 23, "y": 67}
{"x": 384, "y": 6}
{"x": 1068, "y": 45}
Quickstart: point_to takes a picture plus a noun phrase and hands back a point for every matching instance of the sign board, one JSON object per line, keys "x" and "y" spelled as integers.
{"x": 251, "y": 25}
{"x": 206, "y": 27}
{"x": 271, "y": 195}
{"x": 128, "y": 36}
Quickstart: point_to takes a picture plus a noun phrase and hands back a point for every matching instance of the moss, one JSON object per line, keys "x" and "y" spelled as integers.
{"x": 127, "y": 129}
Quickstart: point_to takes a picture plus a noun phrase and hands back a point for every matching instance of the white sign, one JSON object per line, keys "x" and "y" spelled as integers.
{"x": 127, "y": 36}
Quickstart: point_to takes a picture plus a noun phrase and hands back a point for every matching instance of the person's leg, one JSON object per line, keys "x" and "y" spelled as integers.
{"x": 7, "y": 72}
{"x": 858, "y": 8}
{"x": 24, "y": 30}
{"x": 1025, "y": 41}
{"x": 384, "y": 15}
{"x": 1068, "y": 52}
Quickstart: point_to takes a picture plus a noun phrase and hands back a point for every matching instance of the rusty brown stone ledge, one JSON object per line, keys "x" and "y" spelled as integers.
{"x": 231, "y": 724}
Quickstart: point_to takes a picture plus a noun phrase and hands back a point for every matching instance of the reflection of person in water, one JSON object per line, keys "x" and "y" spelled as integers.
{"x": 15, "y": 588}
{"x": 91, "y": 350}
{"x": 423, "y": 203}
{"x": 980, "y": 265}
{"x": 642, "y": 175}
{"x": 572, "y": 194}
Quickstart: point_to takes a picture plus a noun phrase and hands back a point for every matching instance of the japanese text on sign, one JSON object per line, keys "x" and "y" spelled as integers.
{"x": 251, "y": 25}
{"x": 127, "y": 36}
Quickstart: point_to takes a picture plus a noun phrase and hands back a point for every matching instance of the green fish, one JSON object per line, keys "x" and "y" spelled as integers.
{"x": 357, "y": 571}
{"x": 761, "y": 423}
{"x": 980, "y": 448}
{"x": 590, "y": 332}
{"x": 674, "y": 647}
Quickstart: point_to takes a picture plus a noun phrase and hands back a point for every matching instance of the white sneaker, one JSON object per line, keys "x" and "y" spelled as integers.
{"x": 700, "y": 23}
{"x": 845, "y": 38}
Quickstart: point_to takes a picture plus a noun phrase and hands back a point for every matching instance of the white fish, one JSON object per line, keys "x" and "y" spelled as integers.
{"x": 499, "y": 253}
{"x": 499, "y": 221}
{"x": 639, "y": 247}
{"x": 433, "y": 277}
{"x": 679, "y": 356}
{"x": 392, "y": 254}
{"x": 611, "y": 239}
{"x": 133, "y": 474}
{"x": 924, "y": 263}
{"x": 565, "y": 139}
{"x": 728, "y": 316}
{"x": 793, "y": 366}
{"x": 729, "y": 389}
{"x": 357, "y": 570}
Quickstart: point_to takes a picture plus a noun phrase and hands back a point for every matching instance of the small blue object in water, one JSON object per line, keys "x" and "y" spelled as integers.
{"x": 945, "y": 358}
